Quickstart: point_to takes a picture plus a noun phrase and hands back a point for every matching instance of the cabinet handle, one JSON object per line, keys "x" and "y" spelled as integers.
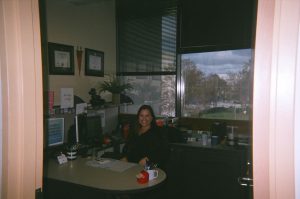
{"x": 245, "y": 181}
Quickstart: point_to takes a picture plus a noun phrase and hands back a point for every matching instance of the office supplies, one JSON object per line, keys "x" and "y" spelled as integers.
{"x": 103, "y": 160}
{"x": 72, "y": 155}
{"x": 111, "y": 164}
{"x": 62, "y": 159}
{"x": 81, "y": 108}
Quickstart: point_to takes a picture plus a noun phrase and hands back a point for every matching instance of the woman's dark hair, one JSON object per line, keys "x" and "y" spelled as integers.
{"x": 149, "y": 108}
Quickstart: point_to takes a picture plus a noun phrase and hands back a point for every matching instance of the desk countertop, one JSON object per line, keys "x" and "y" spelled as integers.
{"x": 219, "y": 147}
{"x": 116, "y": 176}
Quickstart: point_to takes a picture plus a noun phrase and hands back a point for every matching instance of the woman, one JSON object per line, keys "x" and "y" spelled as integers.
{"x": 146, "y": 143}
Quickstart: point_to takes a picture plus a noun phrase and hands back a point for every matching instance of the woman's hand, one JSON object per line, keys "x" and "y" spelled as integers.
{"x": 143, "y": 161}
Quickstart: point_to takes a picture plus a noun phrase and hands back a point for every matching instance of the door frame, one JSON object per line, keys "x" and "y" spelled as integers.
{"x": 22, "y": 98}
{"x": 274, "y": 100}
{"x": 277, "y": 41}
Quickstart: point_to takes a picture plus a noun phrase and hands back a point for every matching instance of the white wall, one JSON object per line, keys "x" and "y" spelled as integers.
{"x": 90, "y": 25}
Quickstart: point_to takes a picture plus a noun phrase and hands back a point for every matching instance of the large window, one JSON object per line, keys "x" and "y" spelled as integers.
{"x": 147, "y": 52}
{"x": 156, "y": 90}
{"x": 217, "y": 85}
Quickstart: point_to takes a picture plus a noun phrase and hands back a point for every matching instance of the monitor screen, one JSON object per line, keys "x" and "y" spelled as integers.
{"x": 56, "y": 131}
{"x": 94, "y": 127}
{"x": 90, "y": 129}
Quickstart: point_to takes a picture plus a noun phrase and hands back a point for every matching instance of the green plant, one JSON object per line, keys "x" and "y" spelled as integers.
{"x": 96, "y": 100}
{"x": 114, "y": 85}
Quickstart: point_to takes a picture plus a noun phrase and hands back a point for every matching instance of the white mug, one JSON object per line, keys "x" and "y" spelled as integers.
{"x": 152, "y": 174}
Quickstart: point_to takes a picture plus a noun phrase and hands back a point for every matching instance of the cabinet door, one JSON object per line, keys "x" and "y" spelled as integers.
{"x": 205, "y": 173}
{"x": 174, "y": 175}
{"x": 216, "y": 25}
{"x": 211, "y": 174}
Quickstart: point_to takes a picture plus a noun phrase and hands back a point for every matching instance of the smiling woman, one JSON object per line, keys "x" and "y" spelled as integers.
{"x": 146, "y": 142}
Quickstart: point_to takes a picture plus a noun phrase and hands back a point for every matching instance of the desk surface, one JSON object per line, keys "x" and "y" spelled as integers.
{"x": 108, "y": 176}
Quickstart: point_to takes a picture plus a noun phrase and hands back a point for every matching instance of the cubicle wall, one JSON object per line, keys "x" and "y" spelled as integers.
{"x": 109, "y": 119}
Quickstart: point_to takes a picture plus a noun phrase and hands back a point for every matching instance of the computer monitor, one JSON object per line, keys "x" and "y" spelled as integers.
{"x": 56, "y": 131}
{"x": 90, "y": 129}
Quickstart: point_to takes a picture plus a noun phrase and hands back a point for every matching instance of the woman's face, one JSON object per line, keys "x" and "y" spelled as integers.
{"x": 145, "y": 118}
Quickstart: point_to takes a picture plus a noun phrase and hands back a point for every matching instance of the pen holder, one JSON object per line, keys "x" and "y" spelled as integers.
{"x": 71, "y": 155}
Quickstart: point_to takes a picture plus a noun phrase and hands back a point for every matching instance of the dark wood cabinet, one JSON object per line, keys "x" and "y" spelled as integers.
{"x": 211, "y": 173}
{"x": 216, "y": 25}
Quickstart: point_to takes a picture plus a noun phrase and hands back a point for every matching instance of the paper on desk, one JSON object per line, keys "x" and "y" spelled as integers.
{"x": 111, "y": 164}
{"x": 81, "y": 108}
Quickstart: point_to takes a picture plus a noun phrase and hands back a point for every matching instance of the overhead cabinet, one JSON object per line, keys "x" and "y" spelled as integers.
{"x": 206, "y": 25}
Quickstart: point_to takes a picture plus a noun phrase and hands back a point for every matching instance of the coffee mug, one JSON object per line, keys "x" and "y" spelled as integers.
{"x": 152, "y": 174}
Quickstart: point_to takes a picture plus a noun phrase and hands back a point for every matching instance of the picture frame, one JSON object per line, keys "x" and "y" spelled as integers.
{"x": 61, "y": 59}
{"x": 94, "y": 63}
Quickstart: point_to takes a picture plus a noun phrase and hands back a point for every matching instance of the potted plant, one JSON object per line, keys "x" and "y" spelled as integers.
{"x": 115, "y": 87}
{"x": 96, "y": 100}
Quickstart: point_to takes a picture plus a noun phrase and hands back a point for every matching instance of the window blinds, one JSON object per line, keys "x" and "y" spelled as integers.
{"x": 146, "y": 36}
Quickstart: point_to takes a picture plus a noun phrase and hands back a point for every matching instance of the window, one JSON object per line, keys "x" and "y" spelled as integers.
{"x": 155, "y": 90}
{"x": 217, "y": 85}
{"x": 147, "y": 52}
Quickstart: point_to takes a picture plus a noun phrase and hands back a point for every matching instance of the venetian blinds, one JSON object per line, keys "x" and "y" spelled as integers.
{"x": 146, "y": 36}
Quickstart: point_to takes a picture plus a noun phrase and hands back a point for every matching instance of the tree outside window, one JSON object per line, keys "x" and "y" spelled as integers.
{"x": 217, "y": 84}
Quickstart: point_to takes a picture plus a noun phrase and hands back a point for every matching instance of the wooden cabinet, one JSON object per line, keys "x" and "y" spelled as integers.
{"x": 211, "y": 173}
{"x": 216, "y": 25}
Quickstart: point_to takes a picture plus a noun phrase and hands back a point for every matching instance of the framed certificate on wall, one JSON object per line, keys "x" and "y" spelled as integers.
{"x": 61, "y": 59}
{"x": 94, "y": 63}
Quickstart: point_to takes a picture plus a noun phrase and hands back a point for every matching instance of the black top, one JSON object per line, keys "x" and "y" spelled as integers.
{"x": 151, "y": 144}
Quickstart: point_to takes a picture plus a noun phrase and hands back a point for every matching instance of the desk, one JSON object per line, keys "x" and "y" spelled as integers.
{"x": 82, "y": 172}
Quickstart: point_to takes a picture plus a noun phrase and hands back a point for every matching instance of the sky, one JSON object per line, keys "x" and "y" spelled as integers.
{"x": 220, "y": 62}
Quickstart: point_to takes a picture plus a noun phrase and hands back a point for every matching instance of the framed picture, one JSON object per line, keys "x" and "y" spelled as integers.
{"x": 61, "y": 59}
{"x": 94, "y": 63}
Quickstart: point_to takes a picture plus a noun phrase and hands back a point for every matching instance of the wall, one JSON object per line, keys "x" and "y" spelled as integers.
{"x": 90, "y": 24}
